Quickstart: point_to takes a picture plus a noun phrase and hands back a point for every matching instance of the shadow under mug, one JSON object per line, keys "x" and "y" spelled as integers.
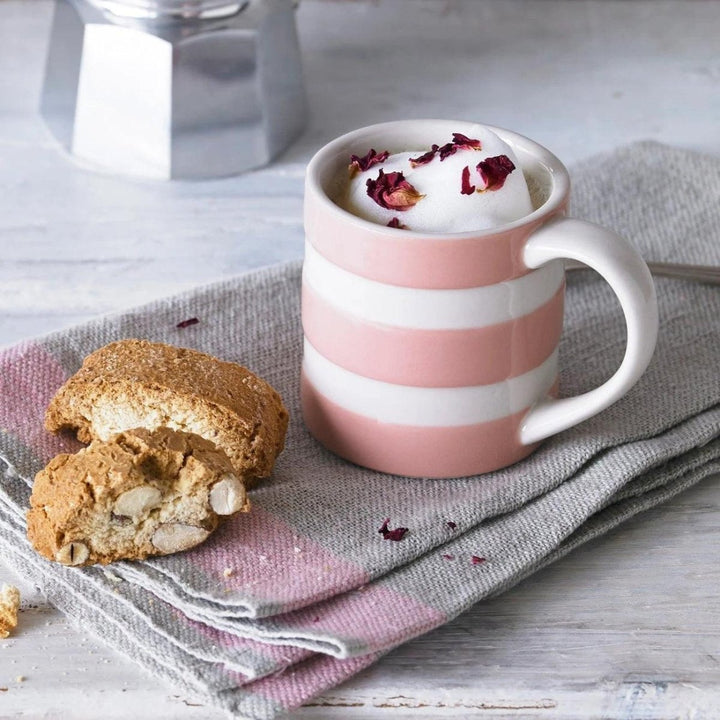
{"x": 435, "y": 355}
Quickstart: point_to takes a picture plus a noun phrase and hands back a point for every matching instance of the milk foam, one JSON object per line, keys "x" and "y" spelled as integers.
{"x": 444, "y": 209}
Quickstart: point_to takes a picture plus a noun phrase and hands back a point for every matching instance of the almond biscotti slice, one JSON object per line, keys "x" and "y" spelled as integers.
{"x": 136, "y": 383}
{"x": 140, "y": 493}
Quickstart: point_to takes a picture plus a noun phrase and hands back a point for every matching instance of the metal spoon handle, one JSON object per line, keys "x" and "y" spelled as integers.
{"x": 698, "y": 273}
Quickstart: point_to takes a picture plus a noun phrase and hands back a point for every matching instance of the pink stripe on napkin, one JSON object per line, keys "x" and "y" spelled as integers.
{"x": 283, "y": 655}
{"x": 259, "y": 553}
{"x": 376, "y": 616}
{"x": 29, "y": 377}
{"x": 299, "y": 683}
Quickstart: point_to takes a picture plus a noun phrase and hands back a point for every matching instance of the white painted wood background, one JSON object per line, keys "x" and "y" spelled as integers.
{"x": 627, "y": 627}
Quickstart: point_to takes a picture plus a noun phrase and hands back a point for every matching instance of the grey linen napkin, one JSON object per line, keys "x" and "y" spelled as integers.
{"x": 242, "y": 621}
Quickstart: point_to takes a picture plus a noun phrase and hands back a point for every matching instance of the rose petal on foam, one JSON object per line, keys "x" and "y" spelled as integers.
{"x": 447, "y": 150}
{"x": 393, "y": 192}
{"x": 463, "y": 142}
{"x": 361, "y": 164}
{"x": 494, "y": 171}
{"x": 459, "y": 142}
{"x": 425, "y": 158}
{"x": 466, "y": 188}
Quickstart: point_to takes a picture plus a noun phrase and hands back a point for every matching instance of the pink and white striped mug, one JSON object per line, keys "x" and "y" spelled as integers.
{"x": 435, "y": 355}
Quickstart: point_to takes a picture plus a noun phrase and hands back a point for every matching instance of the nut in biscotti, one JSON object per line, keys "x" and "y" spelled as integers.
{"x": 138, "y": 494}
{"x": 137, "y": 502}
{"x": 175, "y": 537}
{"x": 227, "y": 495}
{"x": 135, "y": 383}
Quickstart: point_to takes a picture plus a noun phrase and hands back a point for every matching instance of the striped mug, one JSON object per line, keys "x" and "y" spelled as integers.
{"x": 435, "y": 355}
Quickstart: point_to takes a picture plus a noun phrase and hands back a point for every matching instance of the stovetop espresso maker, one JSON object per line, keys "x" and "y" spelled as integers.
{"x": 174, "y": 88}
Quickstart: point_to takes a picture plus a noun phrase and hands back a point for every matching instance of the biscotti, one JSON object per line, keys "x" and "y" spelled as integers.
{"x": 9, "y": 606}
{"x": 136, "y": 383}
{"x": 137, "y": 494}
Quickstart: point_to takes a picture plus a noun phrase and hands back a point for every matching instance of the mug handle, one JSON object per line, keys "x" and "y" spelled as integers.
{"x": 621, "y": 265}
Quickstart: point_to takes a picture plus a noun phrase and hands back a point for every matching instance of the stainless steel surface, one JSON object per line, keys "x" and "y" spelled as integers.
{"x": 698, "y": 273}
{"x": 152, "y": 9}
{"x": 168, "y": 90}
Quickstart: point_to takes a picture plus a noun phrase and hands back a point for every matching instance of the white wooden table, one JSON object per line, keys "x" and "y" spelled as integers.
{"x": 626, "y": 627}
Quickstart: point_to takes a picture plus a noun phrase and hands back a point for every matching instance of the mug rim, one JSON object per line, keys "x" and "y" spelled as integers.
{"x": 556, "y": 170}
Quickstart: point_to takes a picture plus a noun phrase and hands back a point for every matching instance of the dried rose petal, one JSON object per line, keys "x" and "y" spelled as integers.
{"x": 397, "y": 534}
{"x": 426, "y": 158}
{"x": 393, "y": 191}
{"x": 447, "y": 150}
{"x": 466, "y": 188}
{"x": 475, "y": 560}
{"x": 360, "y": 164}
{"x": 494, "y": 171}
{"x": 459, "y": 142}
{"x": 449, "y": 557}
{"x": 463, "y": 142}
{"x": 395, "y": 223}
{"x": 188, "y": 322}
{"x": 451, "y": 524}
